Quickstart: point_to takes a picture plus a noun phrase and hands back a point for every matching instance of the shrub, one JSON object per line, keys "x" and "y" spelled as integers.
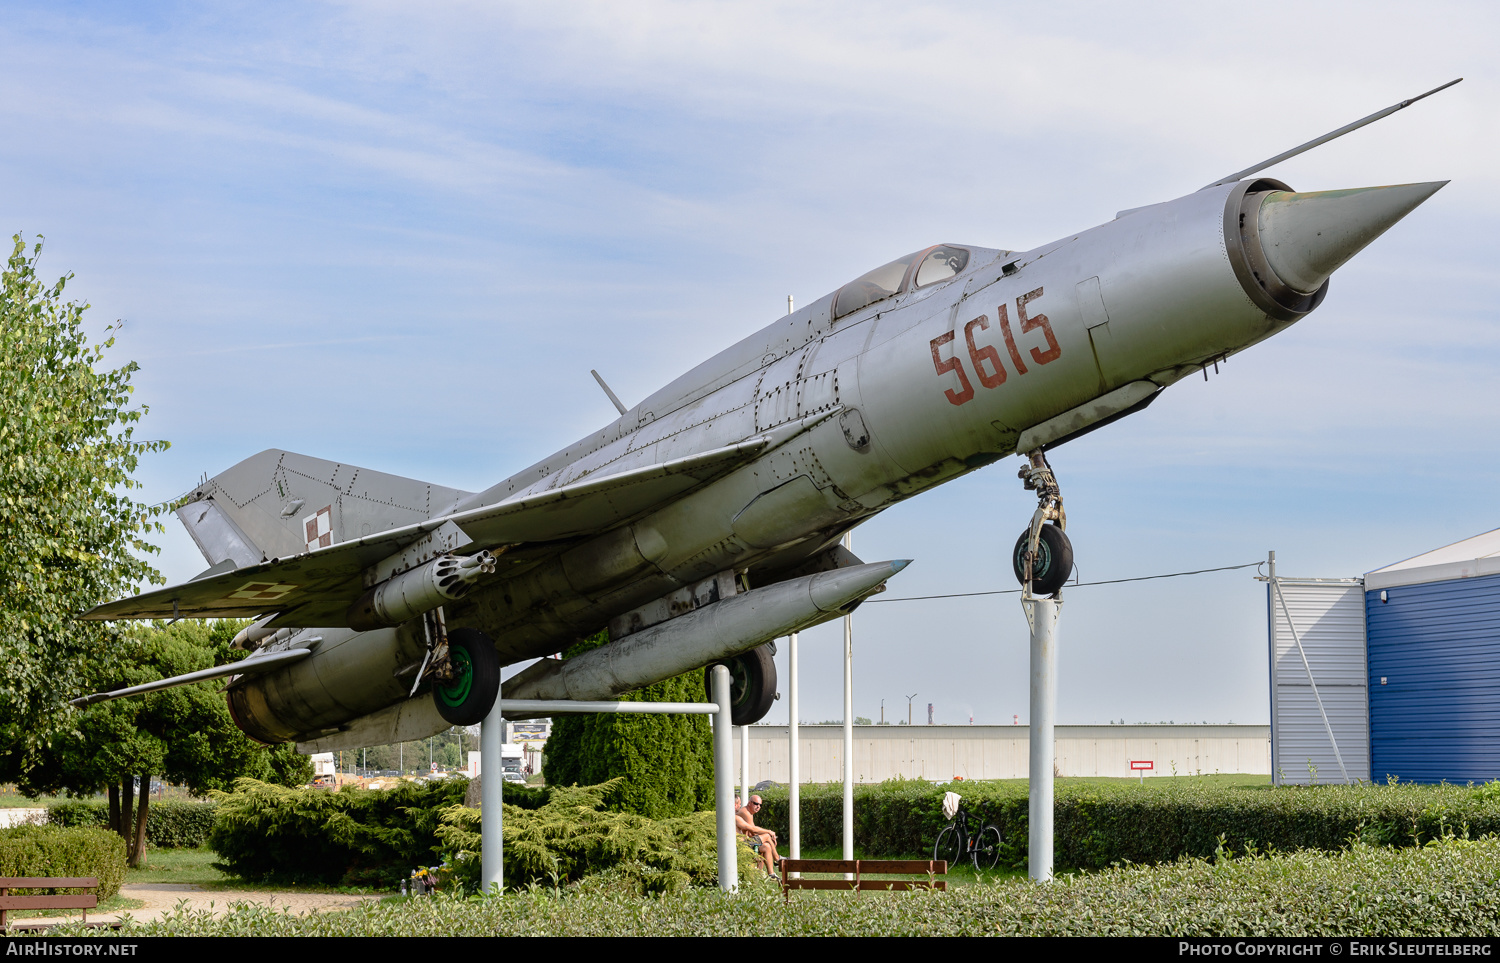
{"x": 64, "y": 851}
{"x": 572, "y": 838}
{"x": 355, "y": 837}
{"x": 169, "y": 825}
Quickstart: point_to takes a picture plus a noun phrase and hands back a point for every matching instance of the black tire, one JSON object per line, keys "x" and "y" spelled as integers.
{"x": 949, "y": 846}
{"x": 1053, "y": 564}
{"x": 471, "y": 695}
{"x": 752, "y": 684}
{"x": 987, "y": 849}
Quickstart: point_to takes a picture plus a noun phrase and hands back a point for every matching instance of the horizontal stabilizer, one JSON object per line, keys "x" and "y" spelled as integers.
{"x": 251, "y": 666}
{"x": 330, "y": 579}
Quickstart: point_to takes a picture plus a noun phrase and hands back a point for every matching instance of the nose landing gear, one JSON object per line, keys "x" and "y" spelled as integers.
{"x": 1043, "y": 556}
{"x": 1043, "y": 560}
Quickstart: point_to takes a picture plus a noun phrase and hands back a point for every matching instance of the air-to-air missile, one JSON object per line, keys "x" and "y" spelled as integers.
{"x": 705, "y": 521}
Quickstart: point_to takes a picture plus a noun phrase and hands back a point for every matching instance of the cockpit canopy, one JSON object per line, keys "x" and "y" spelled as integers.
{"x": 925, "y": 267}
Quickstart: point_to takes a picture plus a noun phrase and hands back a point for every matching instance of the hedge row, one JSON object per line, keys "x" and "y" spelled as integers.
{"x": 1095, "y": 825}
{"x": 64, "y": 851}
{"x": 1440, "y": 890}
{"x": 169, "y": 825}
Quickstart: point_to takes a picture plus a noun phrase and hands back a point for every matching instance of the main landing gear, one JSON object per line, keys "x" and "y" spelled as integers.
{"x": 1043, "y": 556}
{"x": 752, "y": 684}
{"x": 464, "y": 668}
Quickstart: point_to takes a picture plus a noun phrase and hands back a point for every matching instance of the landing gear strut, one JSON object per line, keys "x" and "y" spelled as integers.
{"x": 1043, "y": 556}
{"x": 1043, "y": 560}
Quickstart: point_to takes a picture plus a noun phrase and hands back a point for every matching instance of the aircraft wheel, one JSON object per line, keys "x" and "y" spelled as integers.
{"x": 752, "y": 684}
{"x": 469, "y": 697}
{"x": 1053, "y": 564}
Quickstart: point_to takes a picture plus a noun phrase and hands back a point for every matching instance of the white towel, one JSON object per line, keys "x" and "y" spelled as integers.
{"x": 950, "y": 804}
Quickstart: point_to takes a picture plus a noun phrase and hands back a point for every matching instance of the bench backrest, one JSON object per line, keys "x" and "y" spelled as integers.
{"x": 40, "y": 901}
{"x": 858, "y": 868}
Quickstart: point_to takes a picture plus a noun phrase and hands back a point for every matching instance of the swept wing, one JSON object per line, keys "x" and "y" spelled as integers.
{"x": 327, "y": 580}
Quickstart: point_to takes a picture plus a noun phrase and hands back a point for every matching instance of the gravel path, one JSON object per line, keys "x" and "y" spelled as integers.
{"x": 160, "y": 898}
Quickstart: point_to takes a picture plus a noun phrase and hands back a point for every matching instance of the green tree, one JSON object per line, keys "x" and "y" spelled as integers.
{"x": 184, "y": 735}
{"x": 71, "y": 536}
{"x": 666, "y": 760}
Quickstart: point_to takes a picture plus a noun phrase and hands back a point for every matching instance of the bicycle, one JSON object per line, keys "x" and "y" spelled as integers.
{"x": 955, "y": 843}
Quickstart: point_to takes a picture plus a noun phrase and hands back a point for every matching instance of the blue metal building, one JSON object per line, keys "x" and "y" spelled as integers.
{"x": 1432, "y": 627}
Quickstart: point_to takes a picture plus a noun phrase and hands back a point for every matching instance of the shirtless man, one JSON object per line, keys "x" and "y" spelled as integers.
{"x": 762, "y": 841}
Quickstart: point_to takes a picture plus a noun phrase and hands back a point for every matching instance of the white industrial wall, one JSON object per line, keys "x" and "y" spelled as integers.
{"x": 1001, "y": 752}
{"x": 1329, "y": 617}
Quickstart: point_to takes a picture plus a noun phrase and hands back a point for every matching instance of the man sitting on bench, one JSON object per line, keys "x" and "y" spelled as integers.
{"x": 763, "y": 841}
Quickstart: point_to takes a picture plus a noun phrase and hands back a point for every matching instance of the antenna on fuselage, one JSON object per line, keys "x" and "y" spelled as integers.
{"x": 1332, "y": 135}
{"x": 613, "y": 399}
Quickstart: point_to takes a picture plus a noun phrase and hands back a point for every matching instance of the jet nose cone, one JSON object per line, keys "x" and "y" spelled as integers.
{"x": 1306, "y": 237}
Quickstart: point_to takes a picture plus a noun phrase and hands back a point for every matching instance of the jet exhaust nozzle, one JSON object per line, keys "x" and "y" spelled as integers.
{"x": 718, "y": 631}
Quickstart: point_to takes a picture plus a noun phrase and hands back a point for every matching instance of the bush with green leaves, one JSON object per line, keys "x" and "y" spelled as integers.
{"x": 1096, "y": 824}
{"x": 169, "y": 825}
{"x": 573, "y": 838}
{"x": 64, "y": 851}
{"x": 353, "y": 837}
{"x": 1444, "y": 888}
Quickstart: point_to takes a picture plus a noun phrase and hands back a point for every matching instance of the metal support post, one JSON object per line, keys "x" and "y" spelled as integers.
{"x": 491, "y": 801}
{"x": 794, "y": 781}
{"x": 1276, "y": 779}
{"x": 1042, "y": 614}
{"x": 745, "y": 764}
{"x": 729, "y": 876}
{"x": 848, "y": 726}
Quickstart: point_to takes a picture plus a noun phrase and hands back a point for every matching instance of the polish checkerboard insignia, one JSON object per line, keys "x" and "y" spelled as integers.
{"x": 319, "y": 528}
{"x": 261, "y": 591}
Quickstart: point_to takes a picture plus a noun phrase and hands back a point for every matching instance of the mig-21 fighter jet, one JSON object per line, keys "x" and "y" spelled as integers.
{"x": 705, "y": 521}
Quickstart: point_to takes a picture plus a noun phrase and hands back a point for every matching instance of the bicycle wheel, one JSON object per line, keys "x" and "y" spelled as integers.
{"x": 950, "y": 845}
{"x": 987, "y": 849}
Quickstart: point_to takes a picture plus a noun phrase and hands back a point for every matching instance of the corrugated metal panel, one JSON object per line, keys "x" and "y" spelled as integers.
{"x": 1437, "y": 645}
{"x": 1329, "y": 616}
{"x": 1303, "y": 752}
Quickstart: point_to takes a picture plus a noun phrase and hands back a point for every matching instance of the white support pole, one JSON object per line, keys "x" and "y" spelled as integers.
{"x": 848, "y": 726}
{"x": 729, "y": 876}
{"x": 794, "y": 781}
{"x": 1042, "y": 614}
{"x": 491, "y": 801}
{"x": 745, "y": 764}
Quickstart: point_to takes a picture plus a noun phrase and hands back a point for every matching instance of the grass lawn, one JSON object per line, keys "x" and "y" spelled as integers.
{"x": 195, "y": 867}
{"x": 191, "y": 866}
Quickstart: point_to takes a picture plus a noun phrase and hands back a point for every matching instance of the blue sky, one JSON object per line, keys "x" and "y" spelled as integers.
{"x": 400, "y": 236}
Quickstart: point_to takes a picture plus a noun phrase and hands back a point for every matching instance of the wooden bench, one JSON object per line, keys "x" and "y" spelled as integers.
{"x": 43, "y": 901}
{"x": 928, "y": 869}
